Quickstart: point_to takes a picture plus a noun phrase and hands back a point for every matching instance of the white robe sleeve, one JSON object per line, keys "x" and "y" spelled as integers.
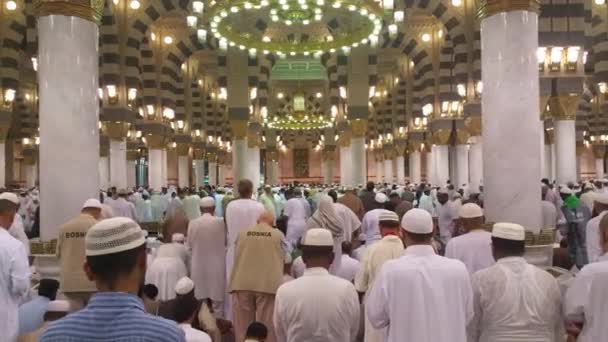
{"x": 362, "y": 276}
{"x": 19, "y": 274}
{"x": 280, "y": 326}
{"x": 377, "y": 302}
{"x": 352, "y": 300}
{"x": 576, "y": 298}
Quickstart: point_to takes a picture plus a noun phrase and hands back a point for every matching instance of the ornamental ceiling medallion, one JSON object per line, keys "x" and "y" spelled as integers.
{"x": 294, "y": 27}
{"x": 299, "y": 118}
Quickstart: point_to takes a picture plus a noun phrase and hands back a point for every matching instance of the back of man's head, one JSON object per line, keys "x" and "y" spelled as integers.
{"x": 245, "y": 188}
{"x": 370, "y": 186}
{"x": 48, "y": 288}
{"x": 257, "y": 332}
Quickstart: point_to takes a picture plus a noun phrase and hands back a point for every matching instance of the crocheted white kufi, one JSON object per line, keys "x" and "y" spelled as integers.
{"x": 113, "y": 235}
{"x": 509, "y": 231}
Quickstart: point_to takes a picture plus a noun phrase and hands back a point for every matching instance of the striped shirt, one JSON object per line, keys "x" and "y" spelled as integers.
{"x": 116, "y": 317}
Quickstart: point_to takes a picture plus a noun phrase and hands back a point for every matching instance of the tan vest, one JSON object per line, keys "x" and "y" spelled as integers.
{"x": 258, "y": 260}
{"x": 71, "y": 254}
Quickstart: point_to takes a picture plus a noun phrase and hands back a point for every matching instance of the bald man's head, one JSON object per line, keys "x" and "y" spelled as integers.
{"x": 266, "y": 218}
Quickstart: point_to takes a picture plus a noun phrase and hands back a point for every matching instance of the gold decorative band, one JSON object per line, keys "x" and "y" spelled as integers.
{"x": 359, "y": 128}
{"x": 488, "y": 8}
{"x": 91, "y": 10}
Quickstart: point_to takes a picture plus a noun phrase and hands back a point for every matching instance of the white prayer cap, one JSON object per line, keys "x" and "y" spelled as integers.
{"x": 381, "y": 197}
{"x": 9, "y": 196}
{"x": 123, "y": 192}
{"x": 509, "y": 231}
{"x": 601, "y": 197}
{"x": 184, "y": 286}
{"x": 58, "y": 306}
{"x": 92, "y": 203}
{"x": 388, "y": 215}
{"x": 318, "y": 237}
{"x": 442, "y": 191}
{"x": 113, "y": 235}
{"x": 207, "y": 202}
{"x": 178, "y": 237}
{"x": 470, "y": 210}
{"x": 417, "y": 221}
{"x": 565, "y": 190}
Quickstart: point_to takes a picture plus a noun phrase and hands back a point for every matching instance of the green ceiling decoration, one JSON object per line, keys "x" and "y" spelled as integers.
{"x": 300, "y": 121}
{"x": 227, "y": 15}
{"x": 308, "y": 69}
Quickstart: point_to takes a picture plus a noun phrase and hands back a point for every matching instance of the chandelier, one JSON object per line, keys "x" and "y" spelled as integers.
{"x": 300, "y": 121}
{"x": 290, "y": 27}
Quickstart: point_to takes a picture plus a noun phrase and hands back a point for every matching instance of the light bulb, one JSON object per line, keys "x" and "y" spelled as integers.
{"x": 426, "y": 37}
{"x": 168, "y": 40}
{"x": 135, "y": 4}
{"x": 198, "y": 7}
{"x": 11, "y": 5}
{"x": 456, "y": 3}
{"x": 132, "y": 94}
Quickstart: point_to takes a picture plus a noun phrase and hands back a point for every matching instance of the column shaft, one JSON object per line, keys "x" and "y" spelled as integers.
{"x": 68, "y": 82}
{"x": 213, "y": 173}
{"x": 565, "y": 145}
{"x": 164, "y": 167}
{"x": 199, "y": 173}
{"x": 475, "y": 164}
{"x": 400, "y": 170}
{"x": 415, "y": 167}
{"x": 430, "y": 166}
{"x": 183, "y": 171}
{"x": 547, "y": 162}
{"x": 132, "y": 173}
{"x": 442, "y": 164}
{"x": 379, "y": 171}
{"x": 155, "y": 169}
{"x": 104, "y": 172}
{"x": 510, "y": 66}
{"x": 388, "y": 170}
{"x": 30, "y": 175}
{"x": 240, "y": 160}
{"x": 462, "y": 165}
{"x": 253, "y": 169}
{"x": 599, "y": 168}
{"x": 359, "y": 161}
{"x": 2, "y": 165}
{"x": 346, "y": 165}
{"x": 328, "y": 170}
{"x": 118, "y": 163}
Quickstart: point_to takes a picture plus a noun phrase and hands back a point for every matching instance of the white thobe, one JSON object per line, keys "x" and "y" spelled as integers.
{"x": 240, "y": 215}
{"x": 192, "y": 207}
{"x": 172, "y": 206}
{"x": 426, "y": 203}
{"x": 174, "y": 250}
{"x": 207, "y": 239}
{"x": 446, "y": 214}
{"x": 164, "y": 273}
{"x": 370, "y": 226}
{"x": 298, "y": 267}
{"x": 390, "y": 247}
{"x": 18, "y": 232}
{"x": 588, "y": 198}
{"x": 592, "y": 237}
{"x": 586, "y": 301}
{"x": 421, "y": 297}
{"x": 316, "y": 307}
{"x": 348, "y": 268}
{"x": 350, "y": 221}
{"x": 474, "y": 249}
{"x": 549, "y": 215}
{"x": 14, "y": 284}
{"x": 194, "y": 335}
{"x": 515, "y": 301}
{"x": 123, "y": 208}
{"x": 295, "y": 210}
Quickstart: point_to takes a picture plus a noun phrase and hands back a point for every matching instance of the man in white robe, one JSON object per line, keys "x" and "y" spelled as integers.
{"x": 167, "y": 269}
{"x": 348, "y": 265}
{"x": 390, "y": 247}
{"x": 421, "y": 296}
{"x": 18, "y": 232}
{"x": 192, "y": 206}
{"x": 473, "y": 248}
{"x": 241, "y": 213}
{"x": 446, "y": 214}
{"x": 369, "y": 225}
{"x": 318, "y": 306}
{"x": 14, "y": 270}
{"x": 514, "y": 301}
{"x": 592, "y": 236}
{"x": 123, "y": 208}
{"x": 295, "y": 210}
{"x": 207, "y": 241}
{"x": 586, "y": 301}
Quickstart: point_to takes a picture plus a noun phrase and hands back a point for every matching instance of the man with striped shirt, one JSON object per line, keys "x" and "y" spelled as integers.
{"x": 116, "y": 262}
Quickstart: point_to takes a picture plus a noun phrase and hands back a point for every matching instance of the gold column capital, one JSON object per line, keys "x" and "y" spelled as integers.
{"x": 328, "y": 155}
{"x": 488, "y": 8}
{"x": 272, "y": 156}
{"x": 359, "y": 128}
{"x": 91, "y": 10}
{"x": 132, "y": 155}
{"x": 198, "y": 154}
{"x": 212, "y": 157}
{"x": 183, "y": 149}
{"x": 400, "y": 147}
{"x": 462, "y": 136}
{"x": 239, "y": 129}
{"x": 345, "y": 138}
{"x": 156, "y": 142}
{"x": 473, "y": 125}
{"x": 564, "y": 107}
{"x": 442, "y": 136}
{"x": 599, "y": 151}
{"x": 116, "y": 130}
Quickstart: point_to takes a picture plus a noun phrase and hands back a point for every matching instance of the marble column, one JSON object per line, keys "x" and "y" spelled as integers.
{"x": 415, "y": 167}
{"x": 430, "y": 166}
{"x": 131, "y": 173}
{"x": 553, "y": 162}
{"x": 2, "y": 164}
{"x": 565, "y": 146}
{"x": 183, "y": 171}
{"x": 68, "y": 83}
{"x": 359, "y": 161}
{"x": 30, "y": 174}
{"x": 155, "y": 168}
{"x": 346, "y": 164}
{"x": 400, "y": 160}
{"x": 547, "y": 162}
{"x": 253, "y": 168}
{"x": 358, "y": 110}
{"x": 118, "y": 163}
{"x": 104, "y": 172}
{"x": 238, "y": 111}
{"x": 212, "y": 159}
{"x": 388, "y": 170}
{"x": 462, "y": 165}
{"x": 240, "y": 160}
{"x": 328, "y": 166}
{"x": 599, "y": 151}
{"x": 511, "y": 128}
{"x": 475, "y": 164}
{"x": 164, "y": 175}
{"x": 199, "y": 173}
{"x": 221, "y": 174}
{"x": 379, "y": 169}
{"x": 442, "y": 164}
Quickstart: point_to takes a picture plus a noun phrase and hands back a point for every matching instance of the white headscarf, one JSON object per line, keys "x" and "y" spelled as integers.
{"x": 325, "y": 217}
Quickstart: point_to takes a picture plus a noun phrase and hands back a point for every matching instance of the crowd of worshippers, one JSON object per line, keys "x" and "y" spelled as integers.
{"x": 311, "y": 263}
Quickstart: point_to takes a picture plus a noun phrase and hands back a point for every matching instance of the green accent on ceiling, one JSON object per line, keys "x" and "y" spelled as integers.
{"x": 298, "y": 70}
